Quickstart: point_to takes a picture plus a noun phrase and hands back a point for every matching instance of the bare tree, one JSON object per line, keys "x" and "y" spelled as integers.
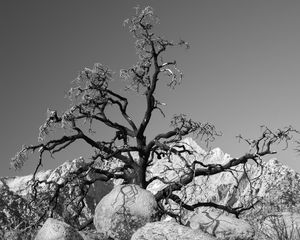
{"x": 129, "y": 154}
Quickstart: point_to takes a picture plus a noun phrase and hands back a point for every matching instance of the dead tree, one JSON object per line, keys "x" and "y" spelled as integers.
{"x": 129, "y": 154}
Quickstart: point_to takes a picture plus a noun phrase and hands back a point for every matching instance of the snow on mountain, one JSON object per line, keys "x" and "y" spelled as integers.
{"x": 19, "y": 184}
{"x": 225, "y": 187}
{"x": 275, "y": 185}
{"x": 271, "y": 182}
{"x": 16, "y": 191}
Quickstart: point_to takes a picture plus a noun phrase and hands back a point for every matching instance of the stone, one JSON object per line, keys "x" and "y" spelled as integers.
{"x": 221, "y": 226}
{"x": 169, "y": 231}
{"x": 125, "y": 209}
{"x": 57, "y": 230}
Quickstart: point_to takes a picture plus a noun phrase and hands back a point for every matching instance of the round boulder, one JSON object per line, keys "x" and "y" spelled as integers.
{"x": 54, "y": 229}
{"x": 125, "y": 209}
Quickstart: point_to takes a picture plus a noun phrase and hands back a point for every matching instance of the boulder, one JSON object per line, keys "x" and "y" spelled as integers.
{"x": 169, "y": 231}
{"x": 221, "y": 226}
{"x": 125, "y": 209}
{"x": 57, "y": 230}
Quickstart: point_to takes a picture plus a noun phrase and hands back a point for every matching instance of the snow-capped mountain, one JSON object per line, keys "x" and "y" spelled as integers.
{"x": 274, "y": 186}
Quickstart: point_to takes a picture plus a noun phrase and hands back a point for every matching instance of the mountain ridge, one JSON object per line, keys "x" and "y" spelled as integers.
{"x": 274, "y": 184}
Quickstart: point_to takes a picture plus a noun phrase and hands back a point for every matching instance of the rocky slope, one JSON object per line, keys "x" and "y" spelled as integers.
{"x": 270, "y": 182}
{"x": 16, "y": 212}
{"x": 276, "y": 186}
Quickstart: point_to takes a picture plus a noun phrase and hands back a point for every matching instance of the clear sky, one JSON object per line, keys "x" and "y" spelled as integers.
{"x": 242, "y": 69}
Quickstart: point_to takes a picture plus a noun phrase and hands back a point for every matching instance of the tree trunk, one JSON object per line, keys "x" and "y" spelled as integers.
{"x": 139, "y": 177}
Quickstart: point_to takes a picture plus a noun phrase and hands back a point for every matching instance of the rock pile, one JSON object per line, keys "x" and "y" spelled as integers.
{"x": 128, "y": 210}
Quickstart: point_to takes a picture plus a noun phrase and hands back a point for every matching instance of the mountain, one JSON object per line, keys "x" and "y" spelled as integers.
{"x": 274, "y": 186}
{"x": 17, "y": 193}
{"x": 20, "y": 185}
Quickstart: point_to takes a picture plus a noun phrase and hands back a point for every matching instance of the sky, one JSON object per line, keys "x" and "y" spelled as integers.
{"x": 241, "y": 72}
